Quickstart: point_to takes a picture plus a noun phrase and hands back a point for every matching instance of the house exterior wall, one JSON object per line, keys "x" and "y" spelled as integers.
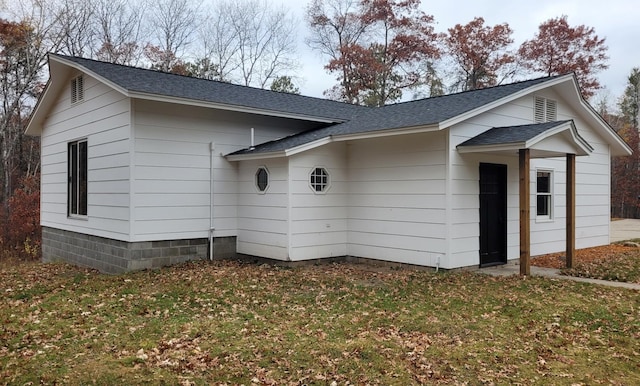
{"x": 397, "y": 198}
{"x": 547, "y": 236}
{"x": 263, "y": 217}
{"x": 593, "y": 193}
{"x": 172, "y": 167}
{"x": 102, "y": 118}
{"x": 318, "y": 220}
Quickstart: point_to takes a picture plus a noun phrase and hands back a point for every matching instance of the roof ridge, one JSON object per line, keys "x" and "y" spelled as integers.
{"x": 70, "y": 57}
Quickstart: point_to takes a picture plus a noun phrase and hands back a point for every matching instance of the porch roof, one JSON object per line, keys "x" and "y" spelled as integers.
{"x": 549, "y": 139}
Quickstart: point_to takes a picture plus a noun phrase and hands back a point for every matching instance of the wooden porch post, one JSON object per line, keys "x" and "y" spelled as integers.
{"x": 525, "y": 231}
{"x": 571, "y": 210}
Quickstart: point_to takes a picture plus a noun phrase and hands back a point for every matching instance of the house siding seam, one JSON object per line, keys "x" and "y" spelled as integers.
{"x": 115, "y": 256}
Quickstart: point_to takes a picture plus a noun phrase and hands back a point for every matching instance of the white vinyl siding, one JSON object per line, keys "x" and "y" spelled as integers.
{"x": 103, "y": 120}
{"x": 397, "y": 198}
{"x": 592, "y": 187}
{"x": 318, "y": 219}
{"x": 173, "y": 167}
{"x": 263, "y": 217}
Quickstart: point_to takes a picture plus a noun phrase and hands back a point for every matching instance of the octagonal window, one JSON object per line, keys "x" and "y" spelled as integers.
{"x": 262, "y": 179}
{"x": 319, "y": 180}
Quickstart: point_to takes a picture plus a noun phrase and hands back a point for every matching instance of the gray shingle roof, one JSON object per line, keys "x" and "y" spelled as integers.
{"x": 423, "y": 112}
{"x": 511, "y": 134}
{"x": 172, "y": 85}
{"x": 350, "y": 119}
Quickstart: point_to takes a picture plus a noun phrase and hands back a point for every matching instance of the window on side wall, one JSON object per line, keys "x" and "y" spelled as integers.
{"x": 262, "y": 179}
{"x": 544, "y": 194}
{"x": 77, "y": 178}
{"x": 319, "y": 180}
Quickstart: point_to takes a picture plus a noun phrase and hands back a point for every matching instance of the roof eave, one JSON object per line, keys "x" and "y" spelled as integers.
{"x": 229, "y": 107}
{"x": 255, "y": 156}
{"x": 34, "y": 126}
{"x": 498, "y": 102}
{"x": 387, "y": 132}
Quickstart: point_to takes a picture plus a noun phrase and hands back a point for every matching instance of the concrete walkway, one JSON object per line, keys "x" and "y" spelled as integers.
{"x": 625, "y": 229}
{"x": 551, "y": 273}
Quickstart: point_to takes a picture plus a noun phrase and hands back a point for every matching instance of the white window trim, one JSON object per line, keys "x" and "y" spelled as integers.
{"x": 551, "y": 194}
{"x": 255, "y": 179}
{"x": 78, "y": 216}
{"x": 327, "y": 186}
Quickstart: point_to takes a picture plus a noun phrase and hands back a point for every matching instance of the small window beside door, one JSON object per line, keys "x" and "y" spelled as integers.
{"x": 544, "y": 194}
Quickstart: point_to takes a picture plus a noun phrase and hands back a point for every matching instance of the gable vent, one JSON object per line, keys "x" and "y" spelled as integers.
{"x": 546, "y": 110}
{"x": 77, "y": 89}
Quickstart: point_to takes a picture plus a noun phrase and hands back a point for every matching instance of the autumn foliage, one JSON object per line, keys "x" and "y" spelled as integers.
{"x": 22, "y": 233}
{"x": 480, "y": 52}
{"x": 377, "y": 48}
{"x": 558, "y": 48}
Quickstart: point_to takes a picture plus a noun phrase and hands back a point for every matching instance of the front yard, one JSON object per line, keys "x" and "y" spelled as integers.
{"x": 233, "y": 323}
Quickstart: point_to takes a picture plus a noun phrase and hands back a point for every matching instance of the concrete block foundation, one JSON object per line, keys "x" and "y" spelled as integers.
{"x": 115, "y": 256}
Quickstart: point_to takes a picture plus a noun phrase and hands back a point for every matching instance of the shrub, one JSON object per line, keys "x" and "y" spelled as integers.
{"x": 23, "y": 234}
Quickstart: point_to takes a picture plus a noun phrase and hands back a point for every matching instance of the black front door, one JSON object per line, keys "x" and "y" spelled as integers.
{"x": 493, "y": 214}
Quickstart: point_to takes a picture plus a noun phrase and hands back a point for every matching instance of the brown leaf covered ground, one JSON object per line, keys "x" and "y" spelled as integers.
{"x": 228, "y": 323}
{"x": 615, "y": 262}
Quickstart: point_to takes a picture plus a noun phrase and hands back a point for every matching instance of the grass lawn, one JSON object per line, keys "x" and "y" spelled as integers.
{"x": 233, "y": 323}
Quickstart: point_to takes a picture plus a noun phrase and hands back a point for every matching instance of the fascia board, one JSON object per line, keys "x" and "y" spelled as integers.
{"x": 492, "y": 148}
{"x": 570, "y": 127}
{"x": 256, "y": 156}
{"x": 386, "y": 133}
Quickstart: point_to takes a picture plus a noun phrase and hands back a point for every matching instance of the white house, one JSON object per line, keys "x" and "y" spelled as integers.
{"x": 142, "y": 169}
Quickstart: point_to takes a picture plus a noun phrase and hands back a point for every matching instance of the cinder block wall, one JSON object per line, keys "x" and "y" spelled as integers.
{"x": 114, "y": 256}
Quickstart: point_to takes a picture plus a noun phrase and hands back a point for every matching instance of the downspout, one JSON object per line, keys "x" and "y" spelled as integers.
{"x": 211, "y": 227}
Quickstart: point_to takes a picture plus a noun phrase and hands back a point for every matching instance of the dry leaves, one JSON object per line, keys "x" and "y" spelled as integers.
{"x": 343, "y": 324}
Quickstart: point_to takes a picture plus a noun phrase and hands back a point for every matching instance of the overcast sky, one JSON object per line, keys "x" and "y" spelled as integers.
{"x": 615, "y": 20}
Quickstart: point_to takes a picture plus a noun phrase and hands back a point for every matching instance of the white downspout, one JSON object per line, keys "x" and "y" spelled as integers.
{"x": 211, "y": 227}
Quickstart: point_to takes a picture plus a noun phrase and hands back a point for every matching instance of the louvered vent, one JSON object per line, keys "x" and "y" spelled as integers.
{"x": 552, "y": 110}
{"x": 546, "y": 110}
{"x": 77, "y": 89}
{"x": 539, "y": 110}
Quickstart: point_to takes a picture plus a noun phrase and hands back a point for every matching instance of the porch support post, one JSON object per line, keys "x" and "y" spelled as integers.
{"x": 571, "y": 210}
{"x": 525, "y": 231}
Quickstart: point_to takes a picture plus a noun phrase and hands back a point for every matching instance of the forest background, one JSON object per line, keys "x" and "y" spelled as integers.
{"x": 377, "y": 51}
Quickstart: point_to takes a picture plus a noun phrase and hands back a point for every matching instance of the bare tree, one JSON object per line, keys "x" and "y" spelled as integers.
{"x": 24, "y": 44}
{"x": 336, "y": 26}
{"x": 117, "y": 29}
{"x": 249, "y": 41}
{"x": 172, "y": 24}
{"x": 219, "y": 43}
{"x": 74, "y": 19}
